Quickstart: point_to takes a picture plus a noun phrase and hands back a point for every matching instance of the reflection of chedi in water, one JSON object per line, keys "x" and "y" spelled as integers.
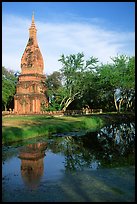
{"x": 32, "y": 165}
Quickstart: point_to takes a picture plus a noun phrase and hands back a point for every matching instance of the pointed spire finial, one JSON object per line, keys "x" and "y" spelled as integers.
{"x": 32, "y": 29}
{"x": 33, "y": 17}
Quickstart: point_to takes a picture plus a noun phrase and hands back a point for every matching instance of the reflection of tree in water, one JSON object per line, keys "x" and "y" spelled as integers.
{"x": 110, "y": 147}
{"x": 32, "y": 163}
{"x": 118, "y": 142}
{"x": 77, "y": 155}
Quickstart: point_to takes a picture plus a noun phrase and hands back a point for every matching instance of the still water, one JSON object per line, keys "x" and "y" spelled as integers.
{"x": 71, "y": 167}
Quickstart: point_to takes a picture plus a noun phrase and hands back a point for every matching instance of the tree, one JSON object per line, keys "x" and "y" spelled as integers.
{"x": 8, "y": 87}
{"x": 54, "y": 86}
{"x": 74, "y": 72}
{"x": 124, "y": 81}
{"x": 90, "y": 91}
{"x": 117, "y": 82}
{"x": 82, "y": 83}
{"x": 106, "y": 87}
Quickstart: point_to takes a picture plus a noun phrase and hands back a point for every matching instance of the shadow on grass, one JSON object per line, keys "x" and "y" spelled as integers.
{"x": 11, "y": 134}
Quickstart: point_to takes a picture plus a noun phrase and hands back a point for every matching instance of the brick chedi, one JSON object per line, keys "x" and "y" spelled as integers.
{"x": 30, "y": 94}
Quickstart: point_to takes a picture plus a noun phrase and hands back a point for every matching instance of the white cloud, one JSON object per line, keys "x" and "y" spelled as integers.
{"x": 55, "y": 39}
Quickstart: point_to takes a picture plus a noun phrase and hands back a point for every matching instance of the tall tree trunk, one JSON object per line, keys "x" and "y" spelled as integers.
{"x": 116, "y": 106}
{"x": 120, "y": 103}
{"x": 5, "y": 107}
{"x": 67, "y": 103}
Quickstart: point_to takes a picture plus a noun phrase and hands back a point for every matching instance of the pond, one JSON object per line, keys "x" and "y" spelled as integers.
{"x": 95, "y": 167}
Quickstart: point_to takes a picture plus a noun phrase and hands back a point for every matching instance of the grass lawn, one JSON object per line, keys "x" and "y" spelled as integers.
{"x": 15, "y": 128}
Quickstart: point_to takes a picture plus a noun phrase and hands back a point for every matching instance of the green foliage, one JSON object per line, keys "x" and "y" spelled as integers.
{"x": 83, "y": 83}
{"x": 124, "y": 72}
{"x": 54, "y": 91}
{"x": 118, "y": 76}
{"x": 74, "y": 71}
{"x": 53, "y": 81}
{"x": 8, "y": 87}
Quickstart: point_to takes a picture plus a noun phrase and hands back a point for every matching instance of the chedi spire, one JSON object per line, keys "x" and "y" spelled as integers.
{"x": 32, "y": 29}
{"x": 32, "y": 60}
{"x": 33, "y": 23}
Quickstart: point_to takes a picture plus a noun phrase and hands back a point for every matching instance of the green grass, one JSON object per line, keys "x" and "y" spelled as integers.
{"x": 17, "y": 128}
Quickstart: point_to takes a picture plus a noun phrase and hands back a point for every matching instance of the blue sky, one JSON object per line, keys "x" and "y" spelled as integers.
{"x": 100, "y": 29}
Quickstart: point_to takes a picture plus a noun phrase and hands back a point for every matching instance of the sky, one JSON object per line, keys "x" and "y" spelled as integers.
{"x": 99, "y": 29}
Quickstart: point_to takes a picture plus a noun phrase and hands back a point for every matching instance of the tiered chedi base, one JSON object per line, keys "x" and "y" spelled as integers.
{"x": 30, "y": 94}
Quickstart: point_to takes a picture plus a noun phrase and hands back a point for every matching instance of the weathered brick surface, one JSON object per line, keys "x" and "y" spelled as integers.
{"x": 32, "y": 60}
{"x": 30, "y": 90}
